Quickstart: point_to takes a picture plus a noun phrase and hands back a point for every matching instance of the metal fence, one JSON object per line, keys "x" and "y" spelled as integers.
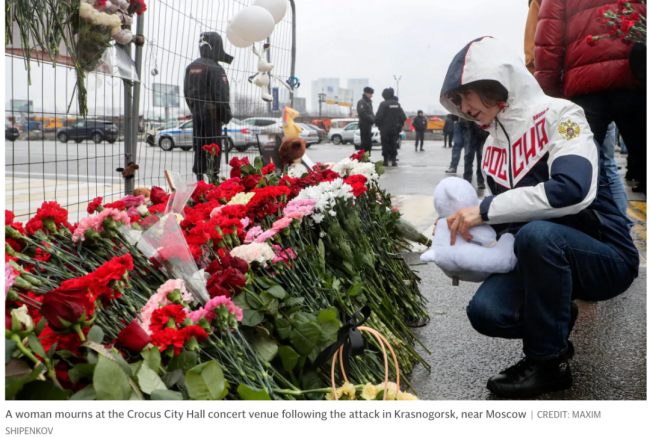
{"x": 40, "y": 167}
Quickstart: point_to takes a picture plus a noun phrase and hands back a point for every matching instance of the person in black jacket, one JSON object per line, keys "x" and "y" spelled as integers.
{"x": 366, "y": 119}
{"x": 420, "y": 125}
{"x": 475, "y": 139}
{"x": 390, "y": 119}
{"x": 448, "y": 130}
{"x": 207, "y": 94}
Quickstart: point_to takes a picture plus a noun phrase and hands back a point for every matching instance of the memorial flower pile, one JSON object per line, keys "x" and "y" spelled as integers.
{"x": 214, "y": 291}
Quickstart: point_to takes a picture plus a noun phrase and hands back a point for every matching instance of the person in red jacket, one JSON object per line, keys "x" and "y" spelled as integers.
{"x": 598, "y": 78}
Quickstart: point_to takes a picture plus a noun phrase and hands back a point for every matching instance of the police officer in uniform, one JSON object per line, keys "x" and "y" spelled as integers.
{"x": 390, "y": 119}
{"x": 207, "y": 94}
{"x": 366, "y": 118}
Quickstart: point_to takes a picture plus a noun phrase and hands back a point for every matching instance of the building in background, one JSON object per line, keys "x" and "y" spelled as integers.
{"x": 356, "y": 87}
{"x": 322, "y": 85}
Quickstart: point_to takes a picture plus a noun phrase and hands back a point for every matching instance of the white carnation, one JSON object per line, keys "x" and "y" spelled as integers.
{"x": 260, "y": 252}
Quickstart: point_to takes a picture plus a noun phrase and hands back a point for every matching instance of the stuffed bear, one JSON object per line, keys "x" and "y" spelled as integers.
{"x": 291, "y": 152}
{"x": 474, "y": 260}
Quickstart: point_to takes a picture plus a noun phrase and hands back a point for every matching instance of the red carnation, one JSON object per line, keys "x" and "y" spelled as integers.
{"x": 66, "y": 305}
{"x": 157, "y": 195}
{"x": 133, "y": 337}
{"x": 161, "y": 316}
{"x": 168, "y": 337}
{"x": 9, "y": 217}
{"x": 116, "y": 205}
{"x": 147, "y": 222}
{"x": 196, "y": 251}
{"x": 212, "y": 149}
{"x": 268, "y": 169}
{"x": 159, "y": 208}
{"x": 626, "y": 25}
{"x": 69, "y": 342}
{"x": 52, "y": 210}
{"x": 92, "y": 206}
{"x": 591, "y": 41}
{"x": 173, "y": 252}
{"x": 138, "y": 6}
{"x": 33, "y": 225}
{"x": 236, "y": 163}
{"x": 194, "y": 331}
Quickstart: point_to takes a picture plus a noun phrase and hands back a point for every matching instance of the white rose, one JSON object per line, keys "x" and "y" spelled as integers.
{"x": 142, "y": 210}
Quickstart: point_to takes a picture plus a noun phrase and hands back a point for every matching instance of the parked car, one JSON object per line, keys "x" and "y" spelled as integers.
{"x": 32, "y": 125}
{"x": 376, "y": 138}
{"x": 264, "y": 125}
{"x": 239, "y": 136}
{"x": 96, "y": 130}
{"x": 342, "y": 135}
{"x": 321, "y": 133}
{"x": 310, "y": 136}
{"x": 11, "y": 132}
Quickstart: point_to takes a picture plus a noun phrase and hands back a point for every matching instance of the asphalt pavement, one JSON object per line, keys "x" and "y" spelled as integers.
{"x": 609, "y": 337}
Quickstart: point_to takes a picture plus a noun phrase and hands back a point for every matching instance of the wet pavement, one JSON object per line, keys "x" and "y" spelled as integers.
{"x": 609, "y": 337}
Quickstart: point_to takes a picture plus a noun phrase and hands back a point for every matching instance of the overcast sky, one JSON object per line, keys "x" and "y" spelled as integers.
{"x": 413, "y": 39}
{"x": 372, "y": 39}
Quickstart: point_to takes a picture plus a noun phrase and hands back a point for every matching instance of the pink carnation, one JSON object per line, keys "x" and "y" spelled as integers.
{"x": 132, "y": 211}
{"x": 252, "y": 233}
{"x": 130, "y": 201}
{"x": 266, "y": 235}
{"x": 245, "y": 222}
{"x": 297, "y": 215}
{"x": 197, "y": 315}
{"x": 282, "y": 223}
{"x": 217, "y": 301}
{"x": 94, "y": 222}
{"x": 10, "y": 277}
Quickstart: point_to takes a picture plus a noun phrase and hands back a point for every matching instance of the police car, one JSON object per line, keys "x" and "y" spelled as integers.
{"x": 239, "y": 136}
{"x": 376, "y": 138}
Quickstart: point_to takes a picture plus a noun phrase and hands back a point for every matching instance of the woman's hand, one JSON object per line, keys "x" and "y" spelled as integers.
{"x": 462, "y": 220}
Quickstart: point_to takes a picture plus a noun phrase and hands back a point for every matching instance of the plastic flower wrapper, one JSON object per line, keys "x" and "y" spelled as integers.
{"x": 182, "y": 193}
{"x": 170, "y": 251}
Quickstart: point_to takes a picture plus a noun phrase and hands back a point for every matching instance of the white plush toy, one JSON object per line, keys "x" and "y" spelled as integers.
{"x": 474, "y": 260}
{"x": 263, "y": 76}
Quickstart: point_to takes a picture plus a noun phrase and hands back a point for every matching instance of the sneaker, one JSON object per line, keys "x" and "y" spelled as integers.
{"x": 450, "y": 170}
{"x": 480, "y": 185}
{"x": 530, "y": 378}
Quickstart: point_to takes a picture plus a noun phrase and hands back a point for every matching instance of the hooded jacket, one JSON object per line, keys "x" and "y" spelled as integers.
{"x": 420, "y": 123}
{"x": 206, "y": 85}
{"x": 390, "y": 116}
{"x": 365, "y": 111}
{"x": 540, "y": 159}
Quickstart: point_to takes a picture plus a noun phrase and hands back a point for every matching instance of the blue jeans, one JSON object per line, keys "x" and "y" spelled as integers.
{"x": 611, "y": 168}
{"x": 459, "y": 143}
{"x": 555, "y": 264}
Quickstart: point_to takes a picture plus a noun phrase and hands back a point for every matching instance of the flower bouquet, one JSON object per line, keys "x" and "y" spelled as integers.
{"x": 622, "y": 22}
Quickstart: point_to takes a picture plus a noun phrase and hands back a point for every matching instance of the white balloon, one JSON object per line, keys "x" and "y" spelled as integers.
{"x": 235, "y": 40}
{"x": 277, "y": 8}
{"x": 253, "y": 24}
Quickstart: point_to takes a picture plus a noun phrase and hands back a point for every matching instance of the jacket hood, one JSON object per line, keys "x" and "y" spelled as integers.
{"x": 388, "y": 94}
{"x": 488, "y": 59}
{"x": 211, "y": 47}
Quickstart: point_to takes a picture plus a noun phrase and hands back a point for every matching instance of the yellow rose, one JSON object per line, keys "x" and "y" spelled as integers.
{"x": 369, "y": 392}
{"x": 403, "y": 396}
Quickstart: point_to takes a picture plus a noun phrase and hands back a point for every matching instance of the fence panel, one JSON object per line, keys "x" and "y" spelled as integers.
{"x": 39, "y": 167}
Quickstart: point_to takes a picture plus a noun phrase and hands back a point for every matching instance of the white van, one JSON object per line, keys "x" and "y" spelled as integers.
{"x": 342, "y": 130}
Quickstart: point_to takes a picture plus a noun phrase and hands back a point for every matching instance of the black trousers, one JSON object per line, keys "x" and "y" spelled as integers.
{"x": 474, "y": 147}
{"x": 389, "y": 145}
{"x": 206, "y": 130}
{"x": 449, "y": 135}
{"x": 366, "y": 137}
{"x": 419, "y": 136}
{"x": 627, "y": 108}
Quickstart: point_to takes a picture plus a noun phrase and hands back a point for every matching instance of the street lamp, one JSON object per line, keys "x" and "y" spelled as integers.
{"x": 397, "y": 79}
{"x": 321, "y": 99}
